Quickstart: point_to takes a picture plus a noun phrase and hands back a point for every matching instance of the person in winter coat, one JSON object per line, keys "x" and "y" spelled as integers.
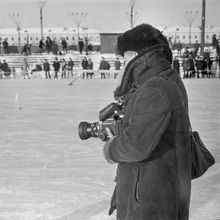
{"x": 56, "y": 66}
{"x": 84, "y": 65}
{"x": 176, "y": 65}
{"x": 25, "y": 68}
{"x": 104, "y": 65}
{"x": 46, "y": 67}
{"x": 152, "y": 152}
{"x": 70, "y": 65}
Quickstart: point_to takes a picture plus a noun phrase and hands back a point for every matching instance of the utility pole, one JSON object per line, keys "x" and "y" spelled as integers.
{"x": 16, "y": 18}
{"x": 41, "y": 4}
{"x": 203, "y": 27}
{"x": 131, "y": 15}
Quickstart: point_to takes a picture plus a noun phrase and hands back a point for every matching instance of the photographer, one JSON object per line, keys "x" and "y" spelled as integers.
{"x": 153, "y": 151}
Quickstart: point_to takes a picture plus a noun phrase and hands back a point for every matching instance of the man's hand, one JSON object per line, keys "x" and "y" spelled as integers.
{"x": 106, "y": 148}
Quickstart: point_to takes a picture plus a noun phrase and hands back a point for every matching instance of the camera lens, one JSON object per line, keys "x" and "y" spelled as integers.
{"x": 84, "y": 130}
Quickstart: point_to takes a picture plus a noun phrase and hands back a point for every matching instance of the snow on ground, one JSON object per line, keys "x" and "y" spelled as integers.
{"x": 48, "y": 173}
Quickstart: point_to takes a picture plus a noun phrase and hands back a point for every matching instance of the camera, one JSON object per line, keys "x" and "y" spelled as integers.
{"x": 111, "y": 116}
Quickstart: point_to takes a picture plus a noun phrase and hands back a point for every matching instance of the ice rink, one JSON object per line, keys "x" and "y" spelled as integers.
{"x": 48, "y": 173}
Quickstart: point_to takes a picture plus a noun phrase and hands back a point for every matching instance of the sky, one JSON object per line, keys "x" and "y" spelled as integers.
{"x": 108, "y": 15}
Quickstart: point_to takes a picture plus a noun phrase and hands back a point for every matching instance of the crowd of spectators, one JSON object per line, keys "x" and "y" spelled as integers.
{"x": 187, "y": 61}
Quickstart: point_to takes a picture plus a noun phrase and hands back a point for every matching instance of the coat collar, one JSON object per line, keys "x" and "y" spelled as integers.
{"x": 147, "y": 64}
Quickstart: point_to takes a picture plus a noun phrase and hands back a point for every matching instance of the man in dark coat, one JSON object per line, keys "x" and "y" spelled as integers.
{"x": 104, "y": 65}
{"x": 84, "y": 64}
{"x": 46, "y": 67}
{"x": 153, "y": 151}
{"x": 56, "y": 66}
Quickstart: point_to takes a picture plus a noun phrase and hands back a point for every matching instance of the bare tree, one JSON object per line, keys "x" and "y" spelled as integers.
{"x": 16, "y": 19}
{"x": 41, "y": 4}
{"x": 132, "y": 14}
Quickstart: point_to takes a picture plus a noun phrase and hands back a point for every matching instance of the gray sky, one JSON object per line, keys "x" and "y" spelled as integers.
{"x": 108, "y": 15}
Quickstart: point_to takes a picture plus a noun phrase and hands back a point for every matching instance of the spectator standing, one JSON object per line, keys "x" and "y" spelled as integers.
{"x": 214, "y": 41}
{"x": 63, "y": 65}
{"x": 117, "y": 67}
{"x": 64, "y": 45}
{"x": 176, "y": 65}
{"x": 90, "y": 67}
{"x": 191, "y": 72}
{"x": 104, "y": 65}
{"x": 179, "y": 48}
{"x": 84, "y": 65}
{"x": 48, "y": 44}
{"x": 70, "y": 65}
{"x": 214, "y": 68}
{"x": 186, "y": 53}
{"x": 186, "y": 65}
{"x": 54, "y": 47}
{"x": 90, "y": 48}
{"x": 56, "y": 66}
{"x": 196, "y": 48}
{"x": 81, "y": 45}
{"x": 5, "y": 46}
{"x": 46, "y": 67}
{"x": 41, "y": 45}
{"x": 25, "y": 68}
{"x": 86, "y": 45}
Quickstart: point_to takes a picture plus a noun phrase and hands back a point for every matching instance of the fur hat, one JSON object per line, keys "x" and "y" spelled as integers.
{"x": 139, "y": 38}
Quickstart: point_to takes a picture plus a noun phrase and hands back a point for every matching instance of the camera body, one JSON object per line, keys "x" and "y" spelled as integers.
{"x": 111, "y": 116}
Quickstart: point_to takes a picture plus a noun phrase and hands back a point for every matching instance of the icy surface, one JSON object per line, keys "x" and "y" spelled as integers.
{"x": 47, "y": 172}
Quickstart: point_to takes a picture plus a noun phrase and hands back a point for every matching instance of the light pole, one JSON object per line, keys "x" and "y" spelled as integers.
{"x": 78, "y": 18}
{"x": 203, "y": 26}
{"x": 41, "y": 4}
{"x": 190, "y": 17}
{"x": 131, "y": 14}
{"x": 16, "y": 19}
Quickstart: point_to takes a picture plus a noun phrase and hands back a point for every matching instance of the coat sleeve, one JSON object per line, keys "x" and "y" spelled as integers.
{"x": 150, "y": 117}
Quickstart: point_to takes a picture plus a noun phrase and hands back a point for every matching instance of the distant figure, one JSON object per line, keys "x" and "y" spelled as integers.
{"x": 214, "y": 41}
{"x": 186, "y": 53}
{"x": 117, "y": 67}
{"x": 41, "y": 45}
{"x": 104, "y": 65}
{"x": 5, "y": 46}
{"x": 56, "y": 66}
{"x": 86, "y": 45}
{"x": 90, "y": 48}
{"x": 186, "y": 66}
{"x": 25, "y": 68}
{"x": 90, "y": 67}
{"x": 196, "y": 48}
{"x": 81, "y": 45}
{"x": 48, "y": 44}
{"x": 179, "y": 48}
{"x": 46, "y": 67}
{"x": 176, "y": 65}
{"x": 54, "y": 47}
{"x": 63, "y": 65}
{"x": 70, "y": 65}
{"x": 84, "y": 65}
{"x": 64, "y": 45}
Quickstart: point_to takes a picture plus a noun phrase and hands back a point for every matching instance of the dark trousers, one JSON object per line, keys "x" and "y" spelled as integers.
{"x": 55, "y": 74}
{"x": 47, "y": 74}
